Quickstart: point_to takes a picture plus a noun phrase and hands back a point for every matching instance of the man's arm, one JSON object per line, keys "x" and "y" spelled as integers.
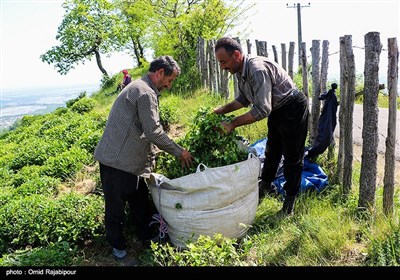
{"x": 229, "y": 107}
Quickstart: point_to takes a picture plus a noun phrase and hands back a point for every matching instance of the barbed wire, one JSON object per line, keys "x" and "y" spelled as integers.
{"x": 329, "y": 54}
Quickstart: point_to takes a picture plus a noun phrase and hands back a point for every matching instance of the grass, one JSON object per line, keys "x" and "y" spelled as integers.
{"x": 326, "y": 230}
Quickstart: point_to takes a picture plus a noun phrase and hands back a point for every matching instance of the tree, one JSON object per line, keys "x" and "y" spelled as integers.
{"x": 89, "y": 28}
{"x": 137, "y": 16}
{"x": 180, "y": 23}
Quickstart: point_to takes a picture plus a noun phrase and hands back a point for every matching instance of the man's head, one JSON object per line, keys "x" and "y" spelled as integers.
{"x": 229, "y": 54}
{"x": 334, "y": 86}
{"x": 125, "y": 72}
{"x": 163, "y": 71}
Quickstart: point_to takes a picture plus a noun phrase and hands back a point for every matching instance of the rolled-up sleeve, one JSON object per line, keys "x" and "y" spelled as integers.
{"x": 152, "y": 128}
{"x": 243, "y": 100}
{"x": 262, "y": 88}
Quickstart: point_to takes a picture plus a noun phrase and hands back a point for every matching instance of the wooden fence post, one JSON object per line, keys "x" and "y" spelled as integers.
{"x": 261, "y": 47}
{"x": 393, "y": 77}
{"x": 275, "y": 53}
{"x": 304, "y": 70}
{"x": 212, "y": 77}
{"x": 370, "y": 135}
{"x": 342, "y": 109}
{"x": 203, "y": 62}
{"x": 291, "y": 58}
{"x": 284, "y": 55}
{"x": 248, "y": 46}
{"x": 324, "y": 81}
{"x": 324, "y": 65}
{"x": 350, "y": 70}
{"x": 225, "y": 84}
{"x": 316, "y": 106}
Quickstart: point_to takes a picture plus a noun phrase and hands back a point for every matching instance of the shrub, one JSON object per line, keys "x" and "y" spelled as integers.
{"x": 6, "y": 177}
{"x": 39, "y": 185}
{"x": 57, "y": 254}
{"x": 206, "y": 251}
{"x": 89, "y": 140}
{"x": 83, "y": 105}
{"x": 35, "y": 151}
{"x": 169, "y": 112}
{"x": 67, "y": 163}
{"x": 71, "y": 102}
{"x": 206, "y": 144}
{"x": 26, "y": 173}
{"x": 107, "y": 81}
{"x": 38, "y": 220}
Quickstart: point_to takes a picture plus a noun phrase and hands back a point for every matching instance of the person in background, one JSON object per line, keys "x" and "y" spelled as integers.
{"x": 272, "y": 93}
{"x": 126, "y": 152}
{"x": 125, "y": 81}
{"x": 326, "y": 123}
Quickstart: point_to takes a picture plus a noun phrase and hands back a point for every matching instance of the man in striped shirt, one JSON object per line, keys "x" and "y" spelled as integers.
{"x": 126, "y": 151}
{"x": 272, "y": 93}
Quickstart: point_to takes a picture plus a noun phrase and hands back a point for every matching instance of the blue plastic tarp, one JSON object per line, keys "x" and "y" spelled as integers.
{"x": 312, "y": 177}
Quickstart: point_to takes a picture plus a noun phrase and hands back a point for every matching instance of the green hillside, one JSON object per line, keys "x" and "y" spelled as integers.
{"x": 52, "y": 208}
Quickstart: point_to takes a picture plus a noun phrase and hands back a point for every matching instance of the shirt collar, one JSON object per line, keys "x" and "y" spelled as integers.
{"x": 148, "y": 81}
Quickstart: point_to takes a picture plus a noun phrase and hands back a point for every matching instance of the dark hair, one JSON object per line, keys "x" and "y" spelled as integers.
{"x": 334, "y": 86}
{"x": 165, "y": 62}
{"x": 229, "y": 44}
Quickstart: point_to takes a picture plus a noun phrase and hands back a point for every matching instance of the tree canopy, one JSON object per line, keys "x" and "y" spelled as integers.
{"x": 89, "y": 28}
{"x": 100, "y": 27}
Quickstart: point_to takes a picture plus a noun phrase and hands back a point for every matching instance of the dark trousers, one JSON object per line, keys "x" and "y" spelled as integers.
{"x": 287, "y": 132}
{"x": 120, "y": 187}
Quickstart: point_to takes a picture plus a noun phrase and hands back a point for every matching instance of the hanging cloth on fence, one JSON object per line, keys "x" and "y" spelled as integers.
{"x": 326, "y": 123}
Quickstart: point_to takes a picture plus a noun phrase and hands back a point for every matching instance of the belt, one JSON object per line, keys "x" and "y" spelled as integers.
{"x": 294, "y": 95}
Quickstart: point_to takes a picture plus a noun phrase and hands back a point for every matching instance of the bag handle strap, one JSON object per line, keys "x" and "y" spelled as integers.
{"x": 199, "y": 167}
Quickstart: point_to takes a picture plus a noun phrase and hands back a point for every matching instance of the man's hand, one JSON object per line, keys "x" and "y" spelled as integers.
{"x": 224, "y": 128}
{"x": 227, "y": 127}
{"x": 218, "y": 110}
{"x": 186, "y": 159}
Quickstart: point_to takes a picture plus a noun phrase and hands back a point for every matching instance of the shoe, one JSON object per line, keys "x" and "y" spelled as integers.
{"x": 121, "y": 257}
{"x": 118, "y": 253}
{"x": 266, "y": 189}
{"x": 288, "y": 207}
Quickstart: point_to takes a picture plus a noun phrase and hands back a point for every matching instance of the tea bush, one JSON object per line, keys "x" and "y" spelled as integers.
{"x": 169, "y": 112}
{"x": 55, "y": 254}
{"x": 39, "y": 185}
{"x": 71, "y": 102}
{"x": 206, "y": 251}
{"x": 35, "y": 151}
{"x": 26, "y": 173}
{"x": 38, "y": 220}
{"x": 207, "y": 145}
{"x": 67, "y": 163}
{"x": 83, "y": 105}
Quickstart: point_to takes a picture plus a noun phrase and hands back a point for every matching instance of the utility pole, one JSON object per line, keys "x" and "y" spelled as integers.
{"x": 298, "y": 6}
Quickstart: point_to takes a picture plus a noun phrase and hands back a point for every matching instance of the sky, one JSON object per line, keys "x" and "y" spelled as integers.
{"x": 29, "y": 27}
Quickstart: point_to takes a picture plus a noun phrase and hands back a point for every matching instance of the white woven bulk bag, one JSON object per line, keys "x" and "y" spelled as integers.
{"x": 216, "y": 200}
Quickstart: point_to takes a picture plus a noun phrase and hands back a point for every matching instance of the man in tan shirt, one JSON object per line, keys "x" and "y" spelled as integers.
{"x": 126, "y": 151}
{"x": 272, "y": 93}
